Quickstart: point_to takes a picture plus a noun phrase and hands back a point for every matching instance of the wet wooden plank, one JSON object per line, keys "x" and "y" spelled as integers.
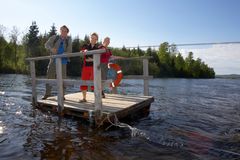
{"x": 121, "y": 105}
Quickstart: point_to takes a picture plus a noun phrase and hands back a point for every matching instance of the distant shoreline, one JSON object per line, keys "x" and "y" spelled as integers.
{"x": 230, "y": 76}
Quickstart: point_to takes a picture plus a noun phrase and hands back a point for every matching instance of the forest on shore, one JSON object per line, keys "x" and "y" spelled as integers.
{"x": 166, "y": 61}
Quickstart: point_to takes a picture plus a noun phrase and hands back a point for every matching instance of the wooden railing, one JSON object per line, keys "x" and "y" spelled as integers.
{"x": 97, "y": 78}
{"x": 145, "y": 75}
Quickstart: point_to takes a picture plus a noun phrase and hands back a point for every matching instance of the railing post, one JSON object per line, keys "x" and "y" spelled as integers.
{"x": 97, "y": 87}
{"x": 145, "y": 74}
{"x": 59, "y": 85}
{"x": 33, "y": 78}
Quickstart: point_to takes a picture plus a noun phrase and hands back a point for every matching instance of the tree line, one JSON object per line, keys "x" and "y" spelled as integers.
{"x": 167, "y": 61}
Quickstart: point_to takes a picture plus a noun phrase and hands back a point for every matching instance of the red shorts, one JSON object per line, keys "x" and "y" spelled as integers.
{"x": 85, "y": 88}
{"x": 87, "y": 74}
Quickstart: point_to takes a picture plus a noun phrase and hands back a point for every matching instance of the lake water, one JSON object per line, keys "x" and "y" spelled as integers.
{"x": 189, "y": 119}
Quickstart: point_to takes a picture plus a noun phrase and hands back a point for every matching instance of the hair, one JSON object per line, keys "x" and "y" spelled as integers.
{"x": 94, "y": 34}
{"x": 64, "y": 26}
{"x": 106, "y": 38}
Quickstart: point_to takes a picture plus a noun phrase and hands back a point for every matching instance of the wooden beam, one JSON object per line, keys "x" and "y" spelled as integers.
{"x": 97, "y": 87}
{"x": 33, "y": 78}
{"x": 59, "y": 85}
{"x": 137, "y": 77}
{"x": 145, "y": 81}
{"x": 76, "y": 54}
{"x": 71, "y": 82}
{"x": 121, "y": 105}
{"x": 133, "y": 58}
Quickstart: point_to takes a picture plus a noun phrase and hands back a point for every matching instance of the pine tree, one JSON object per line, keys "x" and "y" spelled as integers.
{"x": 124, "y": 48}
{"x": 33, "y": 40}
{"x": 139, "y": 52}
{"x": 75, "y": 65}
{"x": 165, "y": 60}
{"x": 189, "y": 64}
{"x": 86, "y": 39}
{"x": 53, "y": 31}
{"x": 179, "y": 64}
{"x": 2, "y": 30}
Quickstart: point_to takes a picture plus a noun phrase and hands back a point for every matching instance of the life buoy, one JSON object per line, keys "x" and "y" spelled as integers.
{"x": 119, "y": 75}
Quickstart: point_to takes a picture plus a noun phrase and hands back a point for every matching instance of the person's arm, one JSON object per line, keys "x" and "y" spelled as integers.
{"x": 69, "y": 48}
{"x": 50, "y": 46}
{"x": 87, "y": 58}
{"x": 112, "y": 57}
{"x": 115, "y": 57}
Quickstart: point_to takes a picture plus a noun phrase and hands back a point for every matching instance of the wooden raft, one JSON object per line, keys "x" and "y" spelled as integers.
{"x": 121, "y": 105}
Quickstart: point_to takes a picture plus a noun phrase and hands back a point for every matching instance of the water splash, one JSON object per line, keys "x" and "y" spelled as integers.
{"x": 135, "y": 132}
{"x": 2, "y": 93}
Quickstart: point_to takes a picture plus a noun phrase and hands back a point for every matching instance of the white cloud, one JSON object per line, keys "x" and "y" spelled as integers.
{"x": 225, "y": 59}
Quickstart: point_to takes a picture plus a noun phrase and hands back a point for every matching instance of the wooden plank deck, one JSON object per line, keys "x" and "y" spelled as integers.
{"x": 120, "y": 105}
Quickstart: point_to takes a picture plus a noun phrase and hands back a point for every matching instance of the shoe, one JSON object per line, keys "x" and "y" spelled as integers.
{"x": 44, "y": 97}
{"x": 82, "y": 101}
{"x": 103, "y": 95}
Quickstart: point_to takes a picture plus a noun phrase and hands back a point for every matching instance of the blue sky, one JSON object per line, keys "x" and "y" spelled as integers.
{"x": 131, "y": 22}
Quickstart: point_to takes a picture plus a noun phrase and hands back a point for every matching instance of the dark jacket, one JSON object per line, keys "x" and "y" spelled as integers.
{"x": 89, "y": 48}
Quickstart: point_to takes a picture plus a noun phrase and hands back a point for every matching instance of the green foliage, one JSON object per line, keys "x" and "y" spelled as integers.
{"x": 86, "y": 40}
{"x": 154, "y": 69}
{"x": 53, "y": 31}
{"x": 164, "y": 62}
{"x": 179, "y": 65}
{"x": 3, "y": 44}
{"x": 22, "y": 66}
{"x": 33, "y": 42}
{"x": 75, "y": 65}
{"x": 8, "y": 65}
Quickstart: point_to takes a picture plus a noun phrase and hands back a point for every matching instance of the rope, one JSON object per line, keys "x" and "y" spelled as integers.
{"x": 117, "y": 123}
{"x": 134, "y": 131}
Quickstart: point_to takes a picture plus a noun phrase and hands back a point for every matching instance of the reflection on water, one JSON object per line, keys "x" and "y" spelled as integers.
{"x": 189, "y": 119}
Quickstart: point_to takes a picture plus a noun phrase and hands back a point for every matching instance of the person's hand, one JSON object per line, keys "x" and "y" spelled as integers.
{"x": 54, "y": 50}
{"x": 84, "y": 51}
{"x": 89, "y": 59}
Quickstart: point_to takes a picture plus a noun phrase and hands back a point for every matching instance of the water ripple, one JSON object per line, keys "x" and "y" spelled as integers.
{"x": 189, "y": 119}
